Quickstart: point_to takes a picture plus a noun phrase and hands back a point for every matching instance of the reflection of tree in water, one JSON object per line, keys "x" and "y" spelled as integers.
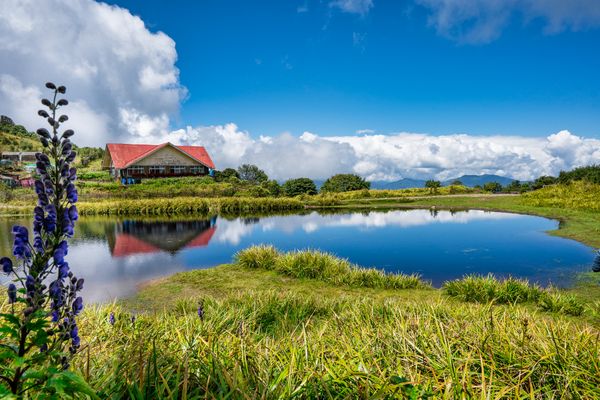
{"x": 596, "y": 265}
{"x": 132, "y": 236}
{"x": 250, "y": 221}
{"x": 434, "y": 212}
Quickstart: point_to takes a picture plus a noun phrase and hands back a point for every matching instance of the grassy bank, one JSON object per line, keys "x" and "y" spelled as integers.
{"x": 266, "y": 334}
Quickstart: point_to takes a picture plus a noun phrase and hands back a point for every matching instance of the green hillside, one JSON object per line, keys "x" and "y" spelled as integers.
{"x": 15, "y": 137}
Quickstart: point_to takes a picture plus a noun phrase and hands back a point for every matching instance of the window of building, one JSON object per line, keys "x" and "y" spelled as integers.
{"x": 178, "y": 169}
{"x": 155, "y": 169}
{"x": 135, "y": 170}
{"x": 197, "y": 169}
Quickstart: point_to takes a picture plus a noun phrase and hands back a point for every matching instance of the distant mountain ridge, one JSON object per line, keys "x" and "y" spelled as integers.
{"x": 467, "y": 180}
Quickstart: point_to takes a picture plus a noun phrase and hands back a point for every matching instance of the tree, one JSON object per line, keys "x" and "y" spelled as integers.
{"x": 345, "y": 183}
{"x": 433, "y": 185}
{"x": 456, "y": 182}
{"x": 543, "y": 181}
{"x": 252, "y": 173}
{"x": 590, "y": 173}
{"x": 295, "y": 187}
{"x": 224, "y": 175}
{"x": 493, "y": 187}
{"x": 272, "y": 187}
{"x": 513, "y": 187}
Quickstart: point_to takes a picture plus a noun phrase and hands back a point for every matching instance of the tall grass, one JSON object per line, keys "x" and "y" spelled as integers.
{"x": 269, "y": 345}
{"x": 325, "y": 267}
{"x": 487, "y": 289}
{"x": 578, "y": 195}
{"x": 187, "y": 205}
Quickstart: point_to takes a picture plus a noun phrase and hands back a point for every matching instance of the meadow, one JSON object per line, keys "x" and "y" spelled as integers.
{"x": 307, "y": 325}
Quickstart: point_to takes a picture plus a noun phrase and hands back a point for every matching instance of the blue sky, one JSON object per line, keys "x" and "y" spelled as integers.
{"x": 274, "y": 66}
{"x": 309, "y": 88}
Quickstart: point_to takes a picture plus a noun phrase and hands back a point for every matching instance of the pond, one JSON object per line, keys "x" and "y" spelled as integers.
{"x": 115, "y": 255}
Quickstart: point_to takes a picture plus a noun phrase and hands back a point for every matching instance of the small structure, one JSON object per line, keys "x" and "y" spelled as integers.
{"x": 26, "y": 181}
{"x": 19, "y": 156}
{"x": 138, "y": 161}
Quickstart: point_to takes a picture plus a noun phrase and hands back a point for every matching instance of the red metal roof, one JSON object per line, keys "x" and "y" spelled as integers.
{"x": 123, "y": 155}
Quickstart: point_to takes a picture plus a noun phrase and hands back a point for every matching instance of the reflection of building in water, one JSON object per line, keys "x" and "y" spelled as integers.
{"x": 135, "y": 237}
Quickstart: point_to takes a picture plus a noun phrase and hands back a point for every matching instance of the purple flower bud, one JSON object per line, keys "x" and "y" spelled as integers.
{"x": 59, "y": 256}
{"x": 111, "y": 318}
{"x": 7, "y": 265}
{"x": 71, "y": 157}
{"x": 74, "y": 332}
{"x": 72, "y": 174}
{"x": 42, "y": 200}
{"x": 66, "y": 149}
{"x": 39, "y": 187}
{"x": 12, "y": 293}
{"x": 43, "y": 113}
{"x": 61, "y": 89}
{"x": 55, "y": 316}
{"x": 62, "y": 102}
{"x": 41, "y": 166}
{"x": 73, "y": 214}
{"x": 68, "y": 133}
{"x": 30, "y": 283}
{"x": 64, "y": 246}
{"x": 50, "y": 85}
{"x": 38, "y": 244}
{"x": 71, "y": 192}
{"x": 77, "y": 305}
{"x": 63, "y": 118}
{"x": 79, "y": 284}
{"x": 20, "y": 231}
{"x": 201, "y": 312}
{"x": 63, "y": 270}
{"x": 47, "y": 103}
{"x": 43, "y": 132}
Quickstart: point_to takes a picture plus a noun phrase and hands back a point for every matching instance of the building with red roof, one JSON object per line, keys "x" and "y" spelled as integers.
{"x": 156, "y": 160}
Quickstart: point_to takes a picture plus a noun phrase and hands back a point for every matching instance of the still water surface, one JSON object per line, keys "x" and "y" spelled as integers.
{"x": 115, "y": 255}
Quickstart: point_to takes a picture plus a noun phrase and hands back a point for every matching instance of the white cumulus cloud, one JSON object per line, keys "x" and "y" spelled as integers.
{"x": 393, "y": 156}
{"x": 121, "y": 78}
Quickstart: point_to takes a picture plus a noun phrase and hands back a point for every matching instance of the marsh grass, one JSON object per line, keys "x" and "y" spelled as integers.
{"x": 488, "y": 289}
{"x": 309, "y": 264}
